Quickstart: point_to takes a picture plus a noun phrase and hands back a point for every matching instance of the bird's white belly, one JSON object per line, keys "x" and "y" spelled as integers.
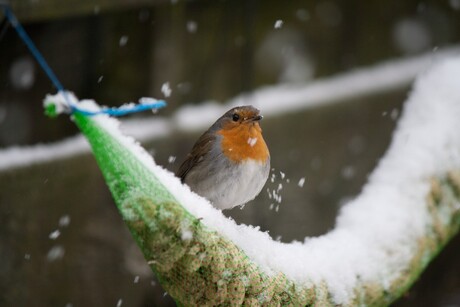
{"x": 235, "y": 184}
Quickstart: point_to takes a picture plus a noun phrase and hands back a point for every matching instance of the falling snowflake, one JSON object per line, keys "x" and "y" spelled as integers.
{"x": 278, "y": 24}
{"x": 123, "y": 40}
{"x": 54, "y": 235}
{"x": 192, "y": 26}
{"x": 252, "y": 141}
{"x": 166, "y": 89}
{"x": 171, "y": 159}
{"x": 301, "y": 182}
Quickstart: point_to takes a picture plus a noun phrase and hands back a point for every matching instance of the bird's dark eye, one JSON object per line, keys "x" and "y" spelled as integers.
{"x": 235, "y": 117}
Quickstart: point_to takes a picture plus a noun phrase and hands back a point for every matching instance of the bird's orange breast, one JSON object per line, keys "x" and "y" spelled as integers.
{"x": 244, "y": 142}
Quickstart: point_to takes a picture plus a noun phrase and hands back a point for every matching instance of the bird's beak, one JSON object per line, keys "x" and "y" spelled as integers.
{"x": 256, "y": 118}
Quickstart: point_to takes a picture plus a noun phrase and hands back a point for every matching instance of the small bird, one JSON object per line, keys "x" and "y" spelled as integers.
{"x": 230, "y": 162}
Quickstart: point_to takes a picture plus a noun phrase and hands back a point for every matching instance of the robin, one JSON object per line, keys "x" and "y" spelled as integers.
{"x": 230, "y": 162}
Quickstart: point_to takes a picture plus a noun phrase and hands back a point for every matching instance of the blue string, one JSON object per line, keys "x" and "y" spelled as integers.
{"x": 49, "y": 72}
{"x": 37, "y": 55}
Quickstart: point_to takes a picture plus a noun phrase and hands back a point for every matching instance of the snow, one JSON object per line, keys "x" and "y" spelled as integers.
{"x": 411, "y": 35}
{"x": 171, "y": 159}
{"x": 16, "y": 156}
{"x": 301, "y": 182}
{"x": 166, "y": 89}
{"x": 282, "y": 175}
{"x": 192, "y": 26}
{"x": 387, "y": 218}
{"x": 21, "y": 156}
{"x": 278, "y": 24}
{"x": 252, "y": 141}
{"x": 123, "y": 41}
{"x": 22, "y": 73}
{"x": 186, "y": 235}
{"x": 348, "y": 172}
{"x": 55, "y": 253}
{"x": 64, "y": 221}
{"x": 54, "y": 235}
{"x": 147, "y": 100}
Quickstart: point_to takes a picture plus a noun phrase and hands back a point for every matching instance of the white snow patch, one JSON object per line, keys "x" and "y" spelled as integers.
{"x": 64, "y": 221}
{"x": 171, "y": 159}
{"x": 252, "y": 141}
{"x": 411, "y": 35}
{"x": 55, "y": 253}
{"x": 278, "y": 24}
{"x": 61, "y": 101}
{"x": 17, "y": 156}
{"x": 123, "y": 41}
{"x": 54, "y": 235}
{"x": 282, "y": 175}
{"x": 22, "y": 156}
{"x": 147, "y": 100}
{"x": 186, "y": 233}
{"x": 166, "y": 89}
{"x": 22, "y": 73}
{"x": 301, "y": 182}
{"x": 192, "y": 26}
{"x": 348, "y": 172}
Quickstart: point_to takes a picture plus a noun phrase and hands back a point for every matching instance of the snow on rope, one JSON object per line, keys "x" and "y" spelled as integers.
{"x": 382, "y": 241}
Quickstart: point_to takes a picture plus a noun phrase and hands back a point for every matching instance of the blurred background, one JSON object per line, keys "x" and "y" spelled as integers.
{"x": 62, "y": 242}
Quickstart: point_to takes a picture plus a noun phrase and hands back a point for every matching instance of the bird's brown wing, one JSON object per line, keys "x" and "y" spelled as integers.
{"x": 199, "y": 150}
